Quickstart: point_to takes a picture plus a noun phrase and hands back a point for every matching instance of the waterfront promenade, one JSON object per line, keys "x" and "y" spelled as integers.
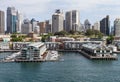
{"x": 9, "y": 50}
{"x": 50, "y": 57}
{"x": 87, "y": 49}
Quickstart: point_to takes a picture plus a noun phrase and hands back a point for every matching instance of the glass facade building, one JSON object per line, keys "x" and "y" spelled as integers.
{"x": 105, "y": 25}
{"x": 11, "y": 20}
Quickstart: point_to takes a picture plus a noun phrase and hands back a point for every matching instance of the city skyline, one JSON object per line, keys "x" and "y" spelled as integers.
{"x": 93, "y": 10}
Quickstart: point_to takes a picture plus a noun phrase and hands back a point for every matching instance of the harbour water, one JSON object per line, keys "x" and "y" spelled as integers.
{"x": 72, "y": 67}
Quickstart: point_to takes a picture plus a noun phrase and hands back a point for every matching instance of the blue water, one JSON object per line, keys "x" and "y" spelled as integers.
{"x": 72, "y": 68}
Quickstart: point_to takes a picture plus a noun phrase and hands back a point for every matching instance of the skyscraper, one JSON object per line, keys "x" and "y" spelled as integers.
{"x": 105, "y": 25}
{"x": 2, "y": 22}
{"x": 37, "y": 30}
{"x": 11, "y": 20}
{"x": 117, "y": 27}
{"x": 26, "y": 27}
{"x": 82, "y": 27}
{"x": 72, "y": 21}
{"x": 19, "y": 22}
{"x": 34, "y": 24}
{"x": 42, "y": 26}
{"x": 87, "y": 24}
{"x": 112, "y": 30}
{"x": 57, "y": 21}
{"x": 48, "y": 26}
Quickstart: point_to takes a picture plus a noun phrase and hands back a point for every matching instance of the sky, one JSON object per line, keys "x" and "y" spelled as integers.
{"x": 41, "y": 10}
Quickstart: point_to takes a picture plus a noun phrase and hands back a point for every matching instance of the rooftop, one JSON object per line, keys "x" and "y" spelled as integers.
{"x": 36, "y": 44}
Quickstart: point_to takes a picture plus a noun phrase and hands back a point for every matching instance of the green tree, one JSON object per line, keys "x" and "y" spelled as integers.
{"x": 89, "y": 32}
{"x": 95, "y": 33}
{"x": 14, "y": 38}
{"x": 72, "y": 32}
{"x": 45, "y": 37}
{"x": 61, "y": 33}
{"x": 110, "y": 39}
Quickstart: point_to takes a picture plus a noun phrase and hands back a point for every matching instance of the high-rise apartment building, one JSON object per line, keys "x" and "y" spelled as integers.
{"x": 112, "y": 30}
{"x": 19, "y": 22}
{"x": 82, "y": 27}
{"x": 42, "y": 26}
{"x": 57, "y": 21}
{"x": 48, "y": 26}
{"x": 72, "y": 21}
{"x": 37, "y": 30}
{"x": 34, "y": 24}
{"x": 97, "y": 26}
{"x": 26, "y": 27}
{"x": 87, "y": 24}
{"x": 105, "y": 25}
{"x": 117, "y": 27}
{"x": 2, "y": 22}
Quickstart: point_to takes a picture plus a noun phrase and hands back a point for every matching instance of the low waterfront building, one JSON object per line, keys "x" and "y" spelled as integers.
{"x": 19, "y": 45}
{"x": 52, "y": 45}
{"x": 117, "y": 44}
{"x": 33, "y": 52}
{"x": 4, "y": 46}
{"x": 32, "y": 35}
{"x": 114, "y": 48}
{"x": 72, "y": 45}
{"x": 52, "y": 38}
{"x": 62, "y": 39}
{"x": 5, "y": 38}
{"x": 76, "y": 45}
{"x": 97, "y": 51}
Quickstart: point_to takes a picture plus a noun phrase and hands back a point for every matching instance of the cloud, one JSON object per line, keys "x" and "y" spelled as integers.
{"x": 43, "y": 9}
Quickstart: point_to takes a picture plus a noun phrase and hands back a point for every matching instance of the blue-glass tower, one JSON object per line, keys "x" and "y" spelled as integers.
{"x": 11, "y": 20}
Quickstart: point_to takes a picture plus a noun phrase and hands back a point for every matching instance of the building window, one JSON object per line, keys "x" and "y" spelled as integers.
{"x": 54, "y": 18}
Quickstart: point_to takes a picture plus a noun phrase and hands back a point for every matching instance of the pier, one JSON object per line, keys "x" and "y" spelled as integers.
{"x": 97, "y": 57}
{"x": 9, "y": 51}
{"x": 98, "y": 52}
{"x": 11, "y": 58}
{"x": 29, "y": 60}
{"x": 41, "y": 52}
{"x": 91, "y": 57}
{"x": 47, "y": 56}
